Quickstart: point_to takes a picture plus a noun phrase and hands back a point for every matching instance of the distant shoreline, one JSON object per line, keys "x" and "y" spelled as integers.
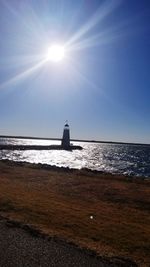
{"x": 75, "y": 140}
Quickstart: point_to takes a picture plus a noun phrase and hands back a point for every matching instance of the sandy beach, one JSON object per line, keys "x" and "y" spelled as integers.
{"x": 103, "y": 213}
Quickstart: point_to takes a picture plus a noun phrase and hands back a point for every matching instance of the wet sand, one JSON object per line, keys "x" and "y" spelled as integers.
{"x": 108, "y": 214}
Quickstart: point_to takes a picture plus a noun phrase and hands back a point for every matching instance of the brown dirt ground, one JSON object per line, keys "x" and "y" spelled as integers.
{"x": 60, "y": 202}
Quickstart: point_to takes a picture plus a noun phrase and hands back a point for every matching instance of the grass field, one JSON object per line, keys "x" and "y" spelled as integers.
{"x": 107, "y": 213}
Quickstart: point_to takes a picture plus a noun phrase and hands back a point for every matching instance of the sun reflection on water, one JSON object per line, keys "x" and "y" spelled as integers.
{"x": 113, "y": 158}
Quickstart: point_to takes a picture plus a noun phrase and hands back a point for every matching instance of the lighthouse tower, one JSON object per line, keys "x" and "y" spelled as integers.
{"x": 66, "y": 137}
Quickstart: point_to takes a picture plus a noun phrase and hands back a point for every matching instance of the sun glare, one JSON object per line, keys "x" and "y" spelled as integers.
{"x": 55, "y": 53}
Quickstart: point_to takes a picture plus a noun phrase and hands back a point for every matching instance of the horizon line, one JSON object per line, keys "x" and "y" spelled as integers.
{"x": 73, "y": 139}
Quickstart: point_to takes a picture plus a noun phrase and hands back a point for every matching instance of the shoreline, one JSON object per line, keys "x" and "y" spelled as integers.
{"x": 72, "y": 170}
{"x": 106, "y": 213}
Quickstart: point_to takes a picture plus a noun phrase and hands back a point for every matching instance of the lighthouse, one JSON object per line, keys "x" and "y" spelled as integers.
{"x": 66, "y": 137}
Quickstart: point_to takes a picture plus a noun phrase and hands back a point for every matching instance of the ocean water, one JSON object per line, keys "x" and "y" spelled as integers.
{"x": 125, "y": 159}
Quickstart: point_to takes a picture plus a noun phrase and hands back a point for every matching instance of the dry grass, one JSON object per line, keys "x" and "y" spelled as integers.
{"x": 61, "y": 202}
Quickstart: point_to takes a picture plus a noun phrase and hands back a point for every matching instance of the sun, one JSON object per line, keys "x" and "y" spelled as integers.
{"x": 55, "y": 53}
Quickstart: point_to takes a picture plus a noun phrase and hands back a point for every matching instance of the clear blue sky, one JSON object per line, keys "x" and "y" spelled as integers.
{"x": 102, "y": 86}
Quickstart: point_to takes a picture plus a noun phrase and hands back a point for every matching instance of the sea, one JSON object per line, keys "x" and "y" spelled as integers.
{"x": 127, "y": 159}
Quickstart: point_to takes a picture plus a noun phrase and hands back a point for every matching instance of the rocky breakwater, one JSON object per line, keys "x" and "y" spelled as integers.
{"x": 39, "y": 147}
